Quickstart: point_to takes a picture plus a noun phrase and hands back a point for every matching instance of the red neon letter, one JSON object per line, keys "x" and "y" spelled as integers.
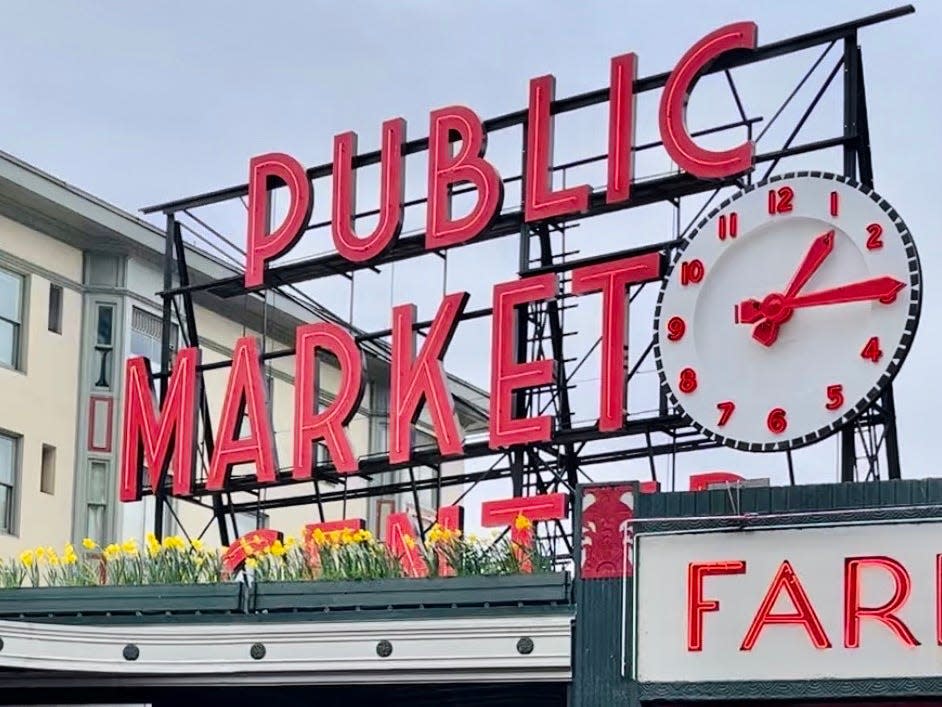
{"x": 245, "y": 395}
{"x": 348, "y": 243}
{"x": 445, "y": 169}
{"x": 804, "y": 614}
{"x": 548, "y": 506}
{"x": 621, "y": 128}
{"x": 331, "y": 526}
{"x": 701, "y": 482}
{"x": 677, "y": 141}
{"x": 697, "y": 606}
{"x": 612, "y": 279}
{"x": 506, "y": 374}
{"x": 400, "y": 537}
{"x": 147, "y": 438}
{"x": 540, "y": 200}
{"x": 266, "y": 172}
{"x": 254, "y": 542}
{"x": 415, "y": 380}
{"x": 449, "y": 518}
{"x": 328, "y": 424}
{"x": 853, "y": 612}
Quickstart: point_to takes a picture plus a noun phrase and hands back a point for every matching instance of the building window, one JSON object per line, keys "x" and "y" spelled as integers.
{"x": 97, "y": 501}
{"x": 47, "y": 472}
{"x": 11, "y": 318}
{"x": 146, "y": 331}
{"x": 137, "y": 518}
{"x": 247, "y": 522}
{"x": 379, "y": 419}
{"x": 55, "y": 308}
{"x": 9, "y": 461}
{"x": 104, "y": 345}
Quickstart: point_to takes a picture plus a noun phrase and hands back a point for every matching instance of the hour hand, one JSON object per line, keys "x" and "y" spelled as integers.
{"x": 748, "y": 311}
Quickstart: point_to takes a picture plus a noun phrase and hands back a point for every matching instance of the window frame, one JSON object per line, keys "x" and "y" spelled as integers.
{"x": 12, "y": 521}
{"x": 48, "y": 452}
{"x": 101, "y": 363}
{"x": 54, "y": 323}
{"x": 19, "y": 327}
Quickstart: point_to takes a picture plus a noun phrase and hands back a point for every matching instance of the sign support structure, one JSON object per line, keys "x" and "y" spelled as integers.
{"x": 869, "y": 447}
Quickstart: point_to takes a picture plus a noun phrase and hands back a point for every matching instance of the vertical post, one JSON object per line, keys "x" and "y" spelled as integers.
{"x": 520, "y": 344}
{"x": 866, "y": 178}
{"x": 192, "y": 335}
{"x": 851, "y": 145}
{"x": 165, "y": 355}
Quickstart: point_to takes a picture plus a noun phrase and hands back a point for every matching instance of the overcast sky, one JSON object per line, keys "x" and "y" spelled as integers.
{"x": 144, "y": 102}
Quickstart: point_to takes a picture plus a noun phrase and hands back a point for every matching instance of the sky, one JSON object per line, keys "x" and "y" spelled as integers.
{"x": 140, "y": 103}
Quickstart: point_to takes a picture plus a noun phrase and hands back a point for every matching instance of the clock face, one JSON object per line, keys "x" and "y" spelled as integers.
{"x": 787, "y": 311}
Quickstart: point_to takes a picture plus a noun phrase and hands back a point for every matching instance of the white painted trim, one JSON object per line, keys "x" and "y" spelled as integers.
{"x": 432, "y": 650}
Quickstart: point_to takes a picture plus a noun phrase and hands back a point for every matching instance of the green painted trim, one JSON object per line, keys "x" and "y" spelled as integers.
{"x": 517, "y": 590}
{"x": 792, "y": 689}
{"x": 58, "y": 602}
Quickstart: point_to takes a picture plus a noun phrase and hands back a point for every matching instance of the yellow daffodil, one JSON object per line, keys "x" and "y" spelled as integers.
{"x": 277, "y": 549}
{"x": 521, "y": 522}
{"x": 69, "y": 558}
{"x": 40, "y": 553}
{"x": 251, "y": 563}
{"x": 27, "y": 558}
{"x": 320, "y": 538}
{"x": 89, "y": 544}
{"x": 112, "y": 551}
{"x": 290, "y": 542}
{"x": 197, "y": 544}
{"x": 129, "y": 547}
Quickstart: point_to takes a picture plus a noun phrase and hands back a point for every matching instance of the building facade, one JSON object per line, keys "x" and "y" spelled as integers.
{"x": 78, "y": 284}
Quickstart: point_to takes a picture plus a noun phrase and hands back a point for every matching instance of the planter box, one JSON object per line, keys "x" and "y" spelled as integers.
{"x": 120, "y": 600}
{"x": 446, "y": 592}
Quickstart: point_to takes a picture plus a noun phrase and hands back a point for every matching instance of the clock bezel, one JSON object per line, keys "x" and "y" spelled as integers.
{"x": 890, "y": 371}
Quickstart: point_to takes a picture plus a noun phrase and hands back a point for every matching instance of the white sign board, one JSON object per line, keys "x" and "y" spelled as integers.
{"x": 836, "y": 602}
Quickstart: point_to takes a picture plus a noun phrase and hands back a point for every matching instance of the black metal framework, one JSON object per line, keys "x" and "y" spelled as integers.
{"x": 866, "y": 445}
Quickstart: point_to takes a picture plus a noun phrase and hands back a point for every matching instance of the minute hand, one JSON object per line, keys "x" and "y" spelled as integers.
{"x": 879, "y": 288}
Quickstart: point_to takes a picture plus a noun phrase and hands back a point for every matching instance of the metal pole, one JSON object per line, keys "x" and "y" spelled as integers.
{"x": 165, "y": 357}
{"x": 851, "y": 86}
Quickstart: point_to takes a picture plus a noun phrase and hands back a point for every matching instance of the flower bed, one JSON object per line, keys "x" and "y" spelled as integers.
{"x": 338, "y": 556}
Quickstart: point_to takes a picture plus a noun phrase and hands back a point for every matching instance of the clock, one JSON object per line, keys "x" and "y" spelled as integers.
{"x": 787, "y": 311}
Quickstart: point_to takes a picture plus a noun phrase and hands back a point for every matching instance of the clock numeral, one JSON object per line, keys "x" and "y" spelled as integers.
{"x": 780, "y": 200}
{"x": 776, "y": 421}
{"x": 676, "y": 328}
{"x": 874, "y": 241}
{"x": 871, "y": 351}
{"x": 728, "y": 225}
{"x": 835, "y": 203}
{"x": 688, "y": 381}
{"x": 726, "y": 412}
{"x": 835, "y": 397}
{"x": 691, "y": 271}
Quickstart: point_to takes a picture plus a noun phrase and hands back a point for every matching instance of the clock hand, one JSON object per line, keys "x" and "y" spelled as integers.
{"x": 750, "y": 311}
{"x": 820, "y": 249}
{"x": 775, "y": 309}
{"x": 879, "y": 288}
